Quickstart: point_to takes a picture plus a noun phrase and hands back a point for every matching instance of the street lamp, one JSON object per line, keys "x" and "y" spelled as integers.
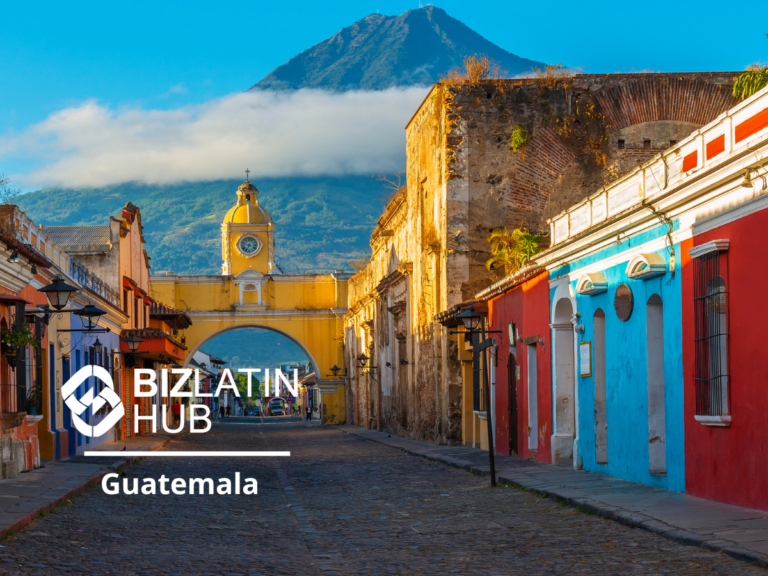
{"x": 362, "y": 359}
{"x": 470, "y": 318}
{"x": 97, "y": 347}
{"x": 133, "y": 342}
{"x": 335, "y": 370}
{"x": 58, "y": 292}
{"x": 89, "y": 316}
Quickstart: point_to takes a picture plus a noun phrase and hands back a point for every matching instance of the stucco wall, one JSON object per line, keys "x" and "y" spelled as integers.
{"x": 626, "y": 364}
{"x": 719, "y": 460}
{"x": 527, "y": 306}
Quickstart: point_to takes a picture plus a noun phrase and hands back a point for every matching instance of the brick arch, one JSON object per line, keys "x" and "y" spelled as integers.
{"x": 547, "y": 177}
{"x": 657, "y": 98}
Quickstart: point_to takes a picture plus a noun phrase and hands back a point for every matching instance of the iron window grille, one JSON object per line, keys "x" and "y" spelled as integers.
{"x": 710, "y": 297}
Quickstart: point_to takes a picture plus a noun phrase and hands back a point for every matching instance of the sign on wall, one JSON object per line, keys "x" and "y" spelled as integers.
{"x": 585, "y": 359}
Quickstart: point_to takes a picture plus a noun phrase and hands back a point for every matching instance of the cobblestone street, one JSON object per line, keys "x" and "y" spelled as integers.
{"x": 339, "y": 504}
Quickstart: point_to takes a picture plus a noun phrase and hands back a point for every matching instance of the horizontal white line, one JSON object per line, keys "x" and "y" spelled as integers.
{"x": 183, "y": 454}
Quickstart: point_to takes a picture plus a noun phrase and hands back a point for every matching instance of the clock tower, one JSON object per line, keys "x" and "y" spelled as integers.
{"x": 247, "y": 236}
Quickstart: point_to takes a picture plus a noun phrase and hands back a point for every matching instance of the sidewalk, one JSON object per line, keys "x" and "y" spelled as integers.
{"x": 26, "y": 496}
{"x": 738, "y": 532}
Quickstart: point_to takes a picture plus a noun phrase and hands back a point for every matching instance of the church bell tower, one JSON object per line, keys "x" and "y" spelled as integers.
{"x": 247, "y": 235}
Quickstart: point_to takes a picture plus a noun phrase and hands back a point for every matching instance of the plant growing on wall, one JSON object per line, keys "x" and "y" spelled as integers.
{"x": 754, "y": 79}
{"x": 477, "y": 68}
{"x": 15, "y": 338}
{"x": 585, "y": 130}
{"x": 512, "y": 249}
{"x": 520, "y": 137}
{"x": 552, "y": 75}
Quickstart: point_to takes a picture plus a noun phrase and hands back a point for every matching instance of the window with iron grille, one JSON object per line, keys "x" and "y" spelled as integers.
{"x": 710, "y": 297}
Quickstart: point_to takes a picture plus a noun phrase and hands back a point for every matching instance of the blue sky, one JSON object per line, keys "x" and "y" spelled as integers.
{"x": 163, "y": 55}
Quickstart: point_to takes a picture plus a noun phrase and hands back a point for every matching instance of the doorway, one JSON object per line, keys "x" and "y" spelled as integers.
{"x": 601, "y": 407}
{"x": 565, "y": 416}
{"x": 533, "y": 410}
{"x": 657, "y": 424}
{"x": 512, "y": 395}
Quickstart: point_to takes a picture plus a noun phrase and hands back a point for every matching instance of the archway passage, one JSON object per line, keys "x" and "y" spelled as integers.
{"x": 268, "y": 351}
{"x": 248, "y": 344}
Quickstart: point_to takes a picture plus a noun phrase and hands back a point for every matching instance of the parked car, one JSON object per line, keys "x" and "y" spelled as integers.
{"x": 256, "y": 411}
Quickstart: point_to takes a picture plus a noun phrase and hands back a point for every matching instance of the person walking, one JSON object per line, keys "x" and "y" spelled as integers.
{"x": 229, "y": 411}
{"x": 309, "y": 414}
{"x": 221, "y": 411}
{"x": 176, "y": 410}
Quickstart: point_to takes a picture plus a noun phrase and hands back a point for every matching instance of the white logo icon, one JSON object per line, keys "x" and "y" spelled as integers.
{"x": 106, "y": 396}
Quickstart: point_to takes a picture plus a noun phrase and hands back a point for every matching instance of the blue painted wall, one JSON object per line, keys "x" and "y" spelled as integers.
{"x": 79, "y": 357}
{"x": 626, "y": 372}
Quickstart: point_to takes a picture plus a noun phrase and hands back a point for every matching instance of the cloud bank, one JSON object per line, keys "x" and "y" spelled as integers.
{"x": 307, "y": 132}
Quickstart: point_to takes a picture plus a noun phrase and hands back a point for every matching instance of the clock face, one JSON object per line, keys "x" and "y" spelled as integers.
{"x": 249, "y": 245}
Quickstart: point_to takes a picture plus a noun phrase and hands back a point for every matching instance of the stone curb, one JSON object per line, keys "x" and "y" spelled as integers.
{"x": 93, "y": 481}
{"x": 631, "y": 519}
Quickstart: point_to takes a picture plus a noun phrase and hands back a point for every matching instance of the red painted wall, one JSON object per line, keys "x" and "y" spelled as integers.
{"x": 731, "y": 464}
{"x": 527, "y": 306}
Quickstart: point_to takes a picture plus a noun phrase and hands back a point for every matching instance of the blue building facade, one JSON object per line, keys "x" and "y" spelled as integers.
{"x": 627, "y": 370}
{"x": 89, "y": 348}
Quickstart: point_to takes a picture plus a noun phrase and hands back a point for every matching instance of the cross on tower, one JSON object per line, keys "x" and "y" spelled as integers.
{"x": 246, "y": 174}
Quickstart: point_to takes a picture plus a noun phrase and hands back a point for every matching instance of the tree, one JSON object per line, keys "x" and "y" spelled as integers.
{"x": 512, "y": 249}
{"x": 241, "y": 380}
{"x": 8, "y": 194}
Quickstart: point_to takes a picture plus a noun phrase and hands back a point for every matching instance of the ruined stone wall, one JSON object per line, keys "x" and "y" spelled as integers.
{"x": 463, "y": 180}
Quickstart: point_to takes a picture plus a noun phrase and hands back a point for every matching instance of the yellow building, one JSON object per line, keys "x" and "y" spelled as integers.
{"x": 251, "y": 292}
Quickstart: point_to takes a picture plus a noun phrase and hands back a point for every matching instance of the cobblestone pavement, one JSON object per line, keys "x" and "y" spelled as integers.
{"x": 338, "y": 505}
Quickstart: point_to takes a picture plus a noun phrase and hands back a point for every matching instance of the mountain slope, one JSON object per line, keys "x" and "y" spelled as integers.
{"x": 321, "y": 223}
{"x": 379, "y": 52}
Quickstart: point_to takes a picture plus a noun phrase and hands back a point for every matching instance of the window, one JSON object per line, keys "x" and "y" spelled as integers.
{"x": 136, "y": 313}
{"x": 710, "y": 302}
{"x": 646, "y": 143}
{"x": 125, "y": 301}
{"x": 672, "y": 142}
{"x": 621, "y": 144}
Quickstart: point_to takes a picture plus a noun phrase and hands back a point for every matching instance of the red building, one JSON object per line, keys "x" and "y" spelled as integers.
{"x": 725, "y": 365}
{"x": 518, "y": 307}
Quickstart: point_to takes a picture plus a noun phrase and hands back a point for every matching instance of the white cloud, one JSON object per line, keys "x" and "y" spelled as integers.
{"x": 308, "y": 132}
{"x": 177, "y": 89}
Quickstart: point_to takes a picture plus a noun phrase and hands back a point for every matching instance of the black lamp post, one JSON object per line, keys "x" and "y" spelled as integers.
{"x": 58, "y": 293}
{"x": 97, "y": 347}
{"x": 133, "y": 342}
{"x": 362, "y": 361}
{"x": 89, "y": 316}
{"x": 473, "y": 320}
{"x": 470, "y": 318}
